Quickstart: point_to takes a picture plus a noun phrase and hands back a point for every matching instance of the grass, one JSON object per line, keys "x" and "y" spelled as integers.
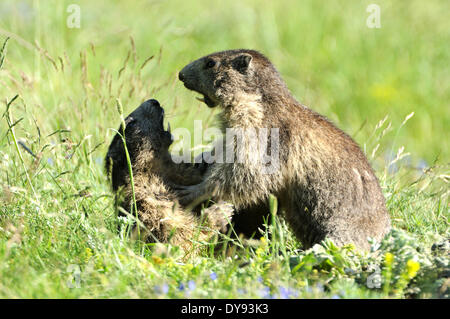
{"x": 58, "y": 224}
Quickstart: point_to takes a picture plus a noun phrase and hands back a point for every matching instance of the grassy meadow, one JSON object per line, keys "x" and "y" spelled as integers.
{"x": 388, "y": 87}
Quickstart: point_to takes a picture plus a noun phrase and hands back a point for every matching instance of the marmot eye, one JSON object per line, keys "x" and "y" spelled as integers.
{"x": 210, "y": 64}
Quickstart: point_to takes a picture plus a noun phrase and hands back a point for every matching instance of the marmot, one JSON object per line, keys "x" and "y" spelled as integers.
{"x": 325, "y": 185}
{"x": 153, "y": 170}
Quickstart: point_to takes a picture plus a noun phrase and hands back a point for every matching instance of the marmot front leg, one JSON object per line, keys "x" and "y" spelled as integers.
{"x": 218, "y": 216}
{"x": 185, "y": 174}
{"x": 194, "y": 194}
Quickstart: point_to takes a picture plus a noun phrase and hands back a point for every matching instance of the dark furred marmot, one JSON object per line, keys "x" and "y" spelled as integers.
{"x": 153, "y": 169}
{"x": 325, "y": 185}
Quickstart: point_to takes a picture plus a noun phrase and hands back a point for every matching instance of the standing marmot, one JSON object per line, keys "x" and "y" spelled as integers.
{"x": 325, "y": 184}
{"x": 153, "y": 169}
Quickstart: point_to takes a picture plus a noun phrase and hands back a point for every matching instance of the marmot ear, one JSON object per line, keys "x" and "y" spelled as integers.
{"x": 242, "y": 62}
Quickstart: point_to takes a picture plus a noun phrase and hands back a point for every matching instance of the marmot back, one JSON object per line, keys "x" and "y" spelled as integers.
{"x": 325, "y": 184}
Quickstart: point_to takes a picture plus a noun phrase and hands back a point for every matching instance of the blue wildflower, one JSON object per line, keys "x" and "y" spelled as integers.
{"x": 284, "y": 293}
{"x": 213, "y": 276}
{"x": 191, "y": 285}
{"x": 165, "y": 288}
{"x": 241, "y": 291}
{"x": 319, "y": 287}
{"x": 265, "y": 292}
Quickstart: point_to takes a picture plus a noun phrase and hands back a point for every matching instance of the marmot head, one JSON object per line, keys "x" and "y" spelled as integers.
{"x": 226, "y": 77}
{"x": 145, "y": 138}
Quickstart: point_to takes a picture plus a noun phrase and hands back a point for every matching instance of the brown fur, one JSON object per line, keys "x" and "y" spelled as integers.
{"x": 153, "y": 171}
{"x": 325, "y": 184}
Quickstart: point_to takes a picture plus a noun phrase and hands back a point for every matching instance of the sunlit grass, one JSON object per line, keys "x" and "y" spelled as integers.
{"x": 68, "y": 80}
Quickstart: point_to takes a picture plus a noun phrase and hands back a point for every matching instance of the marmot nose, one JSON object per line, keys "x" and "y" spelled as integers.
{"x": 181, "y": 76}
{"x": 154, "y": 102}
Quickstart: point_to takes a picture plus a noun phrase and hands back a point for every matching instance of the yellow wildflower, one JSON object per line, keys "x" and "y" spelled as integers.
{"x": 259, "y": 251}
{"x": 122, "y": 258}
{"x": 157, "y": 260}
{"x": 263, "y": 241}
{"x": 388, "y": 259}
{"x": 88, "y": 254}
{"x": 412, "y": 267}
